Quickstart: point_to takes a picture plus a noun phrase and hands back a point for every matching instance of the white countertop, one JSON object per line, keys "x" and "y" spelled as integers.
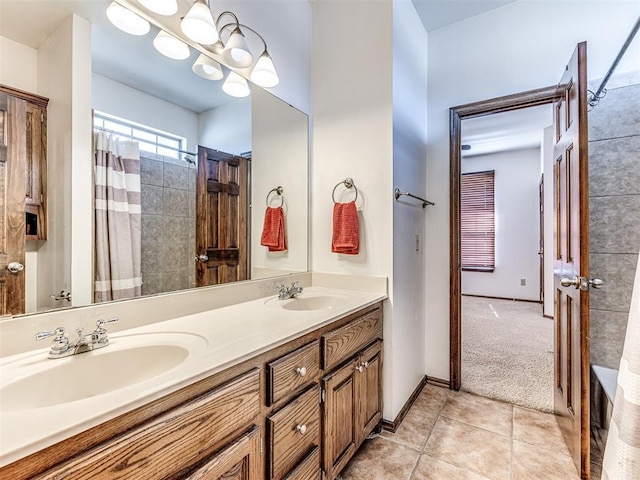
{"x": 222, "y": 337}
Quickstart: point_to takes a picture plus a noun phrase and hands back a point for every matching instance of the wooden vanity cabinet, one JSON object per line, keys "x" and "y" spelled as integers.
{"x": 296, "y": 412}
{"x": 36, "y": 171}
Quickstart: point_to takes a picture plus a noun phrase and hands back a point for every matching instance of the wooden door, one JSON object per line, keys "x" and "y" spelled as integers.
{"x": 13, "y": 149}
{"x": 241, "y": 460}
{"x": 222, "y": 219}
{"x": 571, "y": 260}
{"x": 370, "y": 390}
{"x": 340, "y": 432}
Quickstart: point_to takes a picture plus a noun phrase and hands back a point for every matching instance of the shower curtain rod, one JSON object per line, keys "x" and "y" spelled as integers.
{"x": 595, "y": 97}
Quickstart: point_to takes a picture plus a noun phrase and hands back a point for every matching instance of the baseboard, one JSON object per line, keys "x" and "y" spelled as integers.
{"x": 392, "y": 426}
{"x": 502, "y": 298}
{"x": 438, "y": 382}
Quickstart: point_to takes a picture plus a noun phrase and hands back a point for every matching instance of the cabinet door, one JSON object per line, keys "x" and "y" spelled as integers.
{"x": 241, "y": 460}
{"x": 370, "y": 390}
{"x": 36, "y": 171}
{"x": 339, "y": 418}
{"x": 12, "y": 218}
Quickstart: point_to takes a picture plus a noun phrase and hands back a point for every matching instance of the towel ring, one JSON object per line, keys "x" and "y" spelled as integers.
{"x": 278, "y": 190}
{"x": 348, "y": 182}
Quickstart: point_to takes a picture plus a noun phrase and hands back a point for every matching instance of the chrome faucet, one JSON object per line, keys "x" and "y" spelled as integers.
{"x": 61, "y": 347}
{"x": 285, "y": 292}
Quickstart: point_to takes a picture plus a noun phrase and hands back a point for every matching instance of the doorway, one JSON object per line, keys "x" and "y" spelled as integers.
{"x": 507, "y": 345}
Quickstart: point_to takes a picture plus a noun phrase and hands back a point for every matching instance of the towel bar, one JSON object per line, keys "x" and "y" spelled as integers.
{"x": 398, "y": 193}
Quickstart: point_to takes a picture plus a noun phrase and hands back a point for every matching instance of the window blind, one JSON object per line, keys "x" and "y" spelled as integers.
{"x": 477, "y": 221}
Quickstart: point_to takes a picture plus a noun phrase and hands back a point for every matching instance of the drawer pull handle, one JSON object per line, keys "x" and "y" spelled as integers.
{"x": 302, "y": 371}
{"x": 302, "y": 429}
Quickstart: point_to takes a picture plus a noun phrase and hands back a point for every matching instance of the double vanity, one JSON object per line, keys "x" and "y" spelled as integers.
{"x": 263, "y": 389}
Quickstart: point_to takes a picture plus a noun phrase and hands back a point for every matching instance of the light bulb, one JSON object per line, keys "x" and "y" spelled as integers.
{"x": 170, "y": 46}
{"x": 207, "y": 68}
{"x": 198, "y": 24}
{"x": 236, "y": 52}
{"x": 264, "y": 73}
{"x": 161, "y": 7}
{"x": 126, "y": 20}
{"x": 236, "y": 86}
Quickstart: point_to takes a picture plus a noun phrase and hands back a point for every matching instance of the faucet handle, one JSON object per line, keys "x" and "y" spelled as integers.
{"x": 58, "y": 332}
{"x": 101, "y": 323}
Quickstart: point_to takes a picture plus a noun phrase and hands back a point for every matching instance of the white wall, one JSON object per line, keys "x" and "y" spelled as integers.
{"x": 280, "y": 148}
{"x": 115, "y": 98}
{"x": 352, "y": 94}
{"x": 546, "y": 155}
{"x": 18, "y": 65}
{"x": 286, "y": 27}
{"x": 517, "y": 241}
{"x": 406, "y": 346}
{"x": 227, "y": 128}
{"x": 520, "y": 46}
{"x": 65, "y": 259}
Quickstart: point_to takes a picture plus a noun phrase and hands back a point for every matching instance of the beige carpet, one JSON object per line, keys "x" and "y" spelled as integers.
{"x": 507, "y": 352}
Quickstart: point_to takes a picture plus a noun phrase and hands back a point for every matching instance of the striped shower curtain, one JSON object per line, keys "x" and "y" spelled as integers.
{"x": 622, "y": 452}
{"x": 118, "y": 219}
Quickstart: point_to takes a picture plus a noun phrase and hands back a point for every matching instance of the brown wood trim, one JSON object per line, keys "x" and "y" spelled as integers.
{"x": 530, "y": 98}
{"x": 503, "y": 298}
{"x": 438, "y": 382}
{"x": 548, "y": 316}
{"x": 392, "y": 426}
{"x": 29, "y": 97}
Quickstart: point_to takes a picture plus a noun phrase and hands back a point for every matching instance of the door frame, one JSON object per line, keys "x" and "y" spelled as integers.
{"x": 530, "y": 98}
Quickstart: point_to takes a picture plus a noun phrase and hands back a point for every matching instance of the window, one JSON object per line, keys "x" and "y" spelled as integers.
{"x": 477, "y": 221}
{"x": 149, "y": 139}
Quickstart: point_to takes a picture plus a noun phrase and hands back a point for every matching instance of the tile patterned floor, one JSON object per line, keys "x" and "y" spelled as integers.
{"x": 459, "y": 436}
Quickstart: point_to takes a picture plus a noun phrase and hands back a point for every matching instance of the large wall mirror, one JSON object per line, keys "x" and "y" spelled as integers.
{"x": 210, "y": 163}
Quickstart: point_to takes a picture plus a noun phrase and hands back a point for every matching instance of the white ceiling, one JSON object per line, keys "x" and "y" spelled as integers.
{"x": 440, "y": 13}
{"x": 506, "y": 131}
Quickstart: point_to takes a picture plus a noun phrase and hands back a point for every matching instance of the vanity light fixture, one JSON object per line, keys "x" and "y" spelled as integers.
{"x": 236, "y": 52}
{"x": 207, "y": 68}
{"x": 198, "y": 24}
{"x": 264, "y": 73}
{"x": 170, "y": 46}
{"x": 236, "y": 86}
{"x": 126, "y": 20}
{"x": 161, "y": 7}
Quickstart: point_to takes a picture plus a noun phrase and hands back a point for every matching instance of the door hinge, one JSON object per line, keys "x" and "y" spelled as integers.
{"x": 41, "y": 198}
{"x": 323, "y": 474}
{"x": 260, "y": 443}
{"x": 41, "y": 117}
{"x": 322, "y": 395}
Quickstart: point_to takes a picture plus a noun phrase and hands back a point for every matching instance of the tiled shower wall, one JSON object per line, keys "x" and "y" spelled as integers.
{"x": 168, "y": 223}
{"x": 614, "y": 213}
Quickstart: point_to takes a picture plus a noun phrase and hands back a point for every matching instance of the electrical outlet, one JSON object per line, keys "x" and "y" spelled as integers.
{"x": 417, "y": 242}
{"x": 523, "y": 282}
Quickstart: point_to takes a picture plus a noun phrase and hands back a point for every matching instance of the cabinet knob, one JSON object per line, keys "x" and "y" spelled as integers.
{"x": 365, "y": 364}
{"x": 302, "y": 371}
{"x": 302, "y": 429}
{"x": 360, "y": 368}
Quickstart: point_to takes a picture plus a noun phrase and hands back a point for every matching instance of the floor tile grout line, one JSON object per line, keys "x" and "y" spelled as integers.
{"x": 513, "y": 425}
{"x": 476, "y": 426}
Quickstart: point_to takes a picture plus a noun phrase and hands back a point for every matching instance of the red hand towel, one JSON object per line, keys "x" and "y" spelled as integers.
{"x": 273, "y": 233}
{"x": 346, "y": 235}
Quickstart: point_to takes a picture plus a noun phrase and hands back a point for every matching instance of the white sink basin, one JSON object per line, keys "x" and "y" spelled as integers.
{"x": 311, "y": 301}
{"x": 39, "y": 382}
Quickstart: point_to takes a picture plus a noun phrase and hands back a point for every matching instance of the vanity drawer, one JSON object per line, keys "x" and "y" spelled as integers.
{"x": 292, "y": 372}
{"x": 309, "y": 468}
{"x": 294, "y": 431}
{"x": 340, "y": 344}
{"x": 172, "y": 441}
